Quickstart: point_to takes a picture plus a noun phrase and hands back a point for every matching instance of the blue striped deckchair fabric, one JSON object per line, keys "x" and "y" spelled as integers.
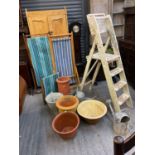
{"x": 40, "y": 55}
{"x": 50, "y": 84}
{"x": 63, "y": 56}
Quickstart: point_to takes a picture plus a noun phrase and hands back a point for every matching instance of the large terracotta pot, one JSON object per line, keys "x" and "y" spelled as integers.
{"x": 63, "y": 85}
{"x": 66, "y": 124}
{"x": 67, "y": 103}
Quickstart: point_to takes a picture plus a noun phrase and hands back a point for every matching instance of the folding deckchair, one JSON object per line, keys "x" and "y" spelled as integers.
{"x": 63, "y": 54}
{"x": 39, "y": 49}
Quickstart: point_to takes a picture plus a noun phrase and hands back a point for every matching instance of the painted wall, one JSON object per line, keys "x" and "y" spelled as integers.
{"x": 100, "y": 6}
{"x": 129, "y": 3}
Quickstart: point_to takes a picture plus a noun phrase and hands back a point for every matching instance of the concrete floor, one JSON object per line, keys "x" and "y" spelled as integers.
{"x": 37, "y": 137}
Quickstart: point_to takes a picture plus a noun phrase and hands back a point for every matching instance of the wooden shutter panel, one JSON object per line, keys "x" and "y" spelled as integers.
{"x": 38, "y": 25}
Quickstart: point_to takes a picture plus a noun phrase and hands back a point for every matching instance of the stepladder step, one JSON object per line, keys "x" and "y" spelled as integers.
{"x": 116, "y": 71}
{"x": 109, "y": 57}
{"x": 123, "y": 98}
{"x": 120, "y": 84}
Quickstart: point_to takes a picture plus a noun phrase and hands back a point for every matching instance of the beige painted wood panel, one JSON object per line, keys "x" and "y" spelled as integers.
{"x": 38, "y": 25}
{"x": 47, "y": 21}
{"x": 57, "y": 24}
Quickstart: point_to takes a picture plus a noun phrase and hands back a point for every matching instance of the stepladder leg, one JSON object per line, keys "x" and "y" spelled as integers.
{"x": 77, "y": 77}
{"x": 115, "y": 105}
{"x": 126, "y": 90}
{"x": 85, "y": 74}
{"x": 95, "y": 74}
{"x": 110, "y": 86}
{"x": 129, "y": 102}
{"x": 88, "y": 65}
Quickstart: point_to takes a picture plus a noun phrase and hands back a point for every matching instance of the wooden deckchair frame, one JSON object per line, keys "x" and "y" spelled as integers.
{"x": 76, "y": 75}
{"x": 29, "y": 57}
{"x": 32, "y": 71}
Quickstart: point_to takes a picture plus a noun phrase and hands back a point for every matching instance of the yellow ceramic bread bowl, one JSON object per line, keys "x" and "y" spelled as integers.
{"x": 92, "y": 110}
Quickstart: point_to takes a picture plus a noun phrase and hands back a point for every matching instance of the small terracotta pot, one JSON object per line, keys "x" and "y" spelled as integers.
{"x": 66, "y": 124}
{"x": 63, "y": 85}
{"x": 67, "y": 103}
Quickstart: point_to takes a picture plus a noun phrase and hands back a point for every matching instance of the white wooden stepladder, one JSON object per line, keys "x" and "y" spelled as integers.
{"x": 101, "y": 24}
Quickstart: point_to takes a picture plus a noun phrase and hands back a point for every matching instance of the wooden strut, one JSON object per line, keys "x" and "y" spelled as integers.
{"x": 87, "y": 65}
{"x": 92, "y": 68}
{"x": 49, "y": 35}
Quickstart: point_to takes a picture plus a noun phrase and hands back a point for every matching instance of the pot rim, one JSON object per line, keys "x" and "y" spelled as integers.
{"x": 68, "y": 107}
{"x": 89, "y": 117}
{"x": 52, "y": 94}
{"x": 67, "y": 78}
{"x": 63, "y": 113}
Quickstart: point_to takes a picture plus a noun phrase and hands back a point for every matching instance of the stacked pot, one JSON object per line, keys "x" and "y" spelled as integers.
{"x": 67, "y": 121}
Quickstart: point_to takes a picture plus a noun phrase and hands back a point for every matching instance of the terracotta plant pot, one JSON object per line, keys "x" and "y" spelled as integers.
{"x": 63, "y": 85}
{"x": 66, "y": 124}
{"x": 67, "y": 103}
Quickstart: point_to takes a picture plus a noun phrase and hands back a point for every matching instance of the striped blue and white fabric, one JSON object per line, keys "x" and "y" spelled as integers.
{"x": 41, "y": 59}
{"x": 50, "y": 84}
{"x": 63, "y": 56}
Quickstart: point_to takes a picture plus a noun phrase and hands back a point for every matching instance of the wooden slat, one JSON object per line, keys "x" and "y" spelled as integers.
{"x": 116, "y": 71}
{"x": 109, "y": 57}
{"x": 99, "y": 17}
{"x": 102, "y": 32}
{"x": 123, "y": 98}
{"x": 120, "y": 84}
